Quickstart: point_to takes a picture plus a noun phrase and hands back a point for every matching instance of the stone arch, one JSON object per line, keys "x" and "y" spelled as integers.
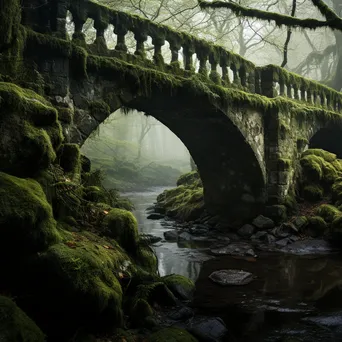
{"x": 226, "y": 144}
{"x": 329, "y": 139}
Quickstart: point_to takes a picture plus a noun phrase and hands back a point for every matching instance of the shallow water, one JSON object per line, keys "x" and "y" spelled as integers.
{"x": 293, "y": 297}
{"x": 173, "y": 257}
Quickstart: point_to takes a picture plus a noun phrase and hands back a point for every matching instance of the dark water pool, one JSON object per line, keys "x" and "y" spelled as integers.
{"x": 293, "y": 298}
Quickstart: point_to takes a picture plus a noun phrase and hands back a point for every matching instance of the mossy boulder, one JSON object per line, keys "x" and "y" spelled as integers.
{"x": 316, "y": 226}
{"x": 182, "y": 287}
{"x": 189, "y": 178}
{"x": 29, "y": 131}
{"x": 26, "y": 220}
{"x": 171, "y": 335}
{"x": 327, "y": 212}
{"x": 336, "y": 230}
{"x": 15, "y": 325}
{"x": 95, "y": 194}
{"x": 122, "y": 226}
{"x": 313, "y": 193}
{"x": 146, "y": 258}
{"x": 140, "y": 311}
{"x": 327, "y": 156}
{"x": 311, "y": 166}
{"x": 79, "y": 279}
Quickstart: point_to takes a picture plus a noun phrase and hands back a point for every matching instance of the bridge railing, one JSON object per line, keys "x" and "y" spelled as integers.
{"x": 234, "y": 70}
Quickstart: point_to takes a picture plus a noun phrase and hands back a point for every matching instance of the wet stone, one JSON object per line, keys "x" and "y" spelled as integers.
{"x": 150, "y": 239}
{"x": 259, "y": 235}
{"x": 283, "y": 242}
{"x": 270, "y": 239}
{"x": 211, "y": 329}
{"x": 184, "y": 236}
{"x": 246, "y": 231}
{"x": 235, "y": 249}
{"x": 155, "y": 216}
{"x": 231, "y": 277}
{"x": 261, "y": 222}
{"x": 171, "y": 235}
{"x": 279, "y": 232}
{"x": 314, "y": 246}
{"x": 181, "y": 314}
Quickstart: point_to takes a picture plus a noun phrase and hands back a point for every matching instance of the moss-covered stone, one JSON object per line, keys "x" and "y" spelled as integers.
{"x": 26, "y": 219}
{"x": 313, "y": 193}
{"x": 140, "y": 311}
{"x": 146, "y": 258}
{"x": 336, "y": 230}
{"x": 171, "y": 335}
{"x": 15, "y": 325}
{"x": 188, "y": 178}
{"x": 312, "y": 168}
{"x": 327, "y": 156}
{"x": 95, "y": 194}
{"x": 122, "y": 226}
{"x": 79, "y": 278}
{"x": 180, "y": 286}
{"x": 316, "y": 226}
{"x": 327, "y": 212}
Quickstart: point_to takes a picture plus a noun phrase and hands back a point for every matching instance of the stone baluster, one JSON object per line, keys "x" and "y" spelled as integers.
{"x": 309, "y": 96}
{"x": 224, "y": 63}
{"x": 188, "y": 52}
{"x": 202, "y": 55}
{"x": 78, "y": 37}
{"x": 140, "y": 37}
{"x": 236, "y": 78}
{"x": 175, "y": 46}
{"x": 303, "y": 93}
{"x": 100, "y": 27}
{"x": 268, "y": 80}
{"x": 59, "y": 26}
{"x": 214, "y": 75}
{"x": 339, "y": 105}
{"x": 251, "y": 81}
{"x": 295, "y": 90}
{"x": 158, "y": 42}
{"x": 322, "y": 98}
{"x": 315, "y": 98}
{"x": 329, "y": 102}
{"x": 289, "y": 90}
{"x": 121, "y": 30}
{"x": 258, "y": 81}
{"x": 281, "y": 87}
{"x": 243, "y": 76}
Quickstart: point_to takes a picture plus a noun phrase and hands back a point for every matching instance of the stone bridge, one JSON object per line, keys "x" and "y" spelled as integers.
{"x": 245, "y": 126}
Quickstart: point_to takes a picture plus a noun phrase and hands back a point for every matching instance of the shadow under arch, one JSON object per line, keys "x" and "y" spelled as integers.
{"x": 329, "y": 139}
{"x": 233, "y": 179}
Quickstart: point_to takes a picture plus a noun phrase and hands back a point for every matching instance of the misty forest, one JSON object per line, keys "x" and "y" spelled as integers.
{"x": 170, "y": 170}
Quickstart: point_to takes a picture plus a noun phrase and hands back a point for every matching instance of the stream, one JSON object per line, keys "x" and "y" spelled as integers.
{"x": 293, "y": 297}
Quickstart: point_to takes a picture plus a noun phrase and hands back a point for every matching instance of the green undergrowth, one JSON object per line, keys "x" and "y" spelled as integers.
{"x": 185, "y": 202}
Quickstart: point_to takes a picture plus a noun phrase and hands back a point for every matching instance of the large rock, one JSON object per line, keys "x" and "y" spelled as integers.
{"x": 263, "y": 223}
{"x": 231, "y": 277}
{"x": 171, "y": 235}
{"x": 235, "y": 249}
{"x": 15, "y": 325}
{"x": 208, "y": 329}
{"x": 181, "y": 287}
{"x": 246, "y": 231}
{"x": 171, "y": 335}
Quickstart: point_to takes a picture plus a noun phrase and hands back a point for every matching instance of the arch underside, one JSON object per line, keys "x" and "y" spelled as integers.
{"x": 233, "y": 180}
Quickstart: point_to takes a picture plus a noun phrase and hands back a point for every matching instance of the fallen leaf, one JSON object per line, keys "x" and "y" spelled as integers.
{"x": 105, "y": 211}
{"x": 107, "y": 247}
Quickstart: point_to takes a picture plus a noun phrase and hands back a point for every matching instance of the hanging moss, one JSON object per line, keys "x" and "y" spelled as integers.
{"x": 10, "y": 16}
{"x": 15, "y": 325}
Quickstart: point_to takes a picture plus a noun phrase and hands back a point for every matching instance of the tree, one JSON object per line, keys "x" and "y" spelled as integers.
{"x": 330, "y": 19}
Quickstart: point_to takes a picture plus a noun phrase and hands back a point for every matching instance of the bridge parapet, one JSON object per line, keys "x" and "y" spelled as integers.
{"x": 213, "y": 62}
{"x": 278, "y": 81}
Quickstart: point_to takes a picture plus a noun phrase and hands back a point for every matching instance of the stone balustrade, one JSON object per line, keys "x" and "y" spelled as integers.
{"x": 199, "y": 56}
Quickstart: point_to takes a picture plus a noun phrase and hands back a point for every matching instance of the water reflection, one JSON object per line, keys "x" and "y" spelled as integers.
{"x": 294, "y": 298}
{"x": 181, "y": 258}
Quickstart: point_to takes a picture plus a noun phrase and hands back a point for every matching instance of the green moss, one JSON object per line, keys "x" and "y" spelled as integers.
{"x": 65, "y": 114}
{"x": 327, "y": 156}
{"x": 180, "y": 286}
{"x": 316, "y": 226}
{"x": 290, "y": 202}
{"x": 146, "y": 258}
{"x": 15, "y": 325}
{"x": 312, "y": 168}
{"x": 26, "y": 217}
{"x": 327, "y": 211}
{"x": 79, "y": 278}
{"x": 140, "y": 311}
{"x": 336, "y": 230}
{"x": 313, "y": 193}
{"x": 188, "y": 178}
{"x": 122, "y": 226}
{"x": 171, "y": 335}
{"x": 284, "y": 164}
{"x": 337, "y": 190}
{"x": 99, "y": 109}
